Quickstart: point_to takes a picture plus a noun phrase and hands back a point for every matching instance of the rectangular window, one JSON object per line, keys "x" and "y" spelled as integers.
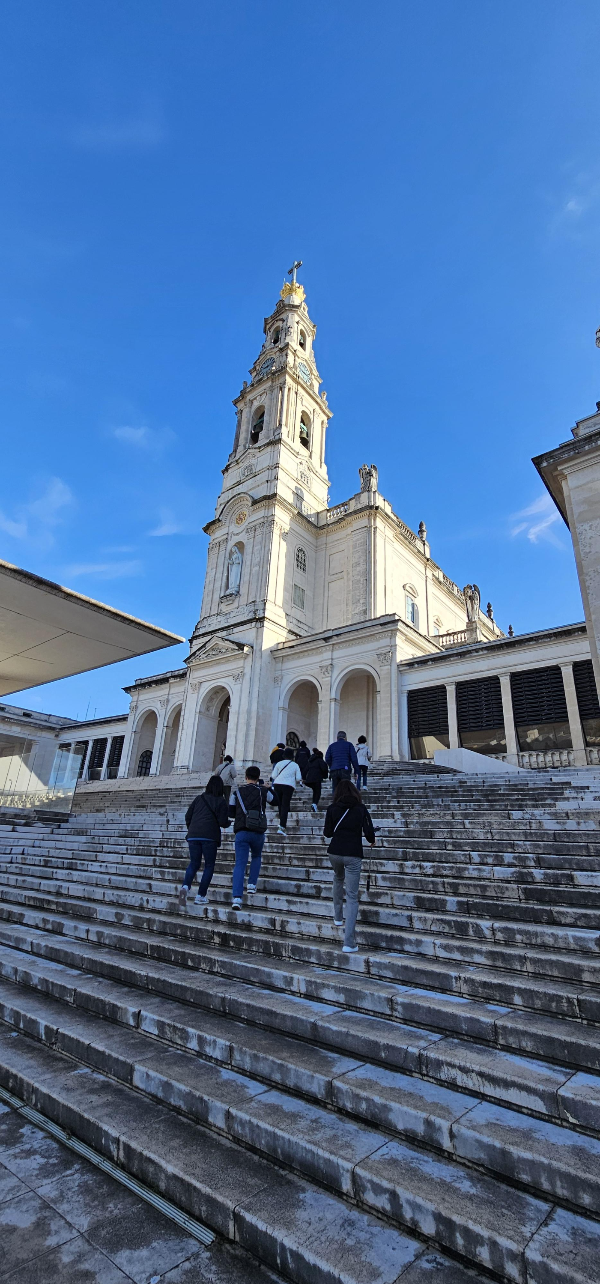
{"x": 428, "y": 721}
{"x": 97, "y": 754}
{"x": 480, "y": 716}
{"x": 114, "y": 757}
{"x": 587, "y": 700}
{"x": 540, "y": 709}
{"x": 80, "y": 751}
{"x": 298, "y": 596}
{"x": 412, "y": 611}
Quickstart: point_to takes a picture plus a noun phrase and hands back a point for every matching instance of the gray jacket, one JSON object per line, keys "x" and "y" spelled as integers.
{"x": 227, "y": 772}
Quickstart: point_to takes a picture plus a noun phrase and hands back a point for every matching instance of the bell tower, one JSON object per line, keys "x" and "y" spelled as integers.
{"x": 281, "y": 415}
{"x": 275, "y": 483}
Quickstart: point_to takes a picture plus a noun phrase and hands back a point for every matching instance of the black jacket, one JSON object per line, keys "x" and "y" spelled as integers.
{"x": 347, "y": 839}
{"x": 303, "y": 759}
{"x": 206, "y": 817}
{"x": 276, "y": 756}
{"x": 254, "y": 797}
{"x": 317, "y": 769}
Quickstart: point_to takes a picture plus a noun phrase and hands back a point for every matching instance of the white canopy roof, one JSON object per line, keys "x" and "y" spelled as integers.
{"x": 49, "y": 632}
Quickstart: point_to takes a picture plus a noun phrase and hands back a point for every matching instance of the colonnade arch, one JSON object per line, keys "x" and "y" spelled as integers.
{"x": 356, "y": 705}
{"x": 171, "y": 735}
{"x": 144, "y": 739}
{"x": 211, "y": 729}
{"x": 300, "y": 712}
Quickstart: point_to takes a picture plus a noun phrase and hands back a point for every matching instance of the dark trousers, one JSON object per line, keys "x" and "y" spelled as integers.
{"x": 361, "y": 778}
{"x": 200, "y": 847}
{"x": 316, "y": 790}
{"x": 336, "y": 776}
{"x": 284, "y": 798}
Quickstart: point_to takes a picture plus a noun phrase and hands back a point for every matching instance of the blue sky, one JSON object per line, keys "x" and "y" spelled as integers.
{"x": 436, "y": 166}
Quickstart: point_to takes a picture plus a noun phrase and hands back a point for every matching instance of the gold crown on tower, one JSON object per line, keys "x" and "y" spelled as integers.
{"x": 293, "y": 286}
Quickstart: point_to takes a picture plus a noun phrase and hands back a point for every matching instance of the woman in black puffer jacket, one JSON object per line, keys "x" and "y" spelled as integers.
{"x": 346, "y": 820}
{"x": 316, "y": 772}
{"x": 206, "y": 816}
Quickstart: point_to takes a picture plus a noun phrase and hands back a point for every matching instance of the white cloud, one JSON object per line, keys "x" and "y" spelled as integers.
{"x": 537, "y": 521}
{"x": 17, "y": 530}
{"x": 168, "y": 525}
{"x": 104, "y": 570}
{"x": 144, "y": 438}
{"x": 139, "y": 131}
{"x": 580, "y": 201}
{"x": 37, "y": 520}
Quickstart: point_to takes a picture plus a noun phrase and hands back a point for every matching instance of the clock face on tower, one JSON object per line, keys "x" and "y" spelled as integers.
{"x": 304, "y": 373}
{"x": 265, "y": 367}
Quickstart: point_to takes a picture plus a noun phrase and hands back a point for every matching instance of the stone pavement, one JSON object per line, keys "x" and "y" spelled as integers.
{"x": 62, "y": 1221}
{"x": 425, "y": 1111}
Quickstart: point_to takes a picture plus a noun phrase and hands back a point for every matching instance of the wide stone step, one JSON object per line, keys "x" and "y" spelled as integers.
{"x": 331, "y": 1147}
{"x": 298, "y": 1228}
{"x": 293, "y": 1000}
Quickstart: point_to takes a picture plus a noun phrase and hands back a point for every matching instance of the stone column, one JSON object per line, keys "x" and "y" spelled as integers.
{"x": 575, "y": 727}
{"x": 387, "y": 742}
{"x": 452, "y": 719}
{"x": 404, "y": 742}
{"x": 324, "y": 736}
{"x": 187, "y": 726}
{"x": 159, "y": 738}
{"x": 512, "y": 748}
{"x": 128, "y": 742}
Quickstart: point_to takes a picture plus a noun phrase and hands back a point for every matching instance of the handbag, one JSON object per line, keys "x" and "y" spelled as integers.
{"x": 256, "y": 821}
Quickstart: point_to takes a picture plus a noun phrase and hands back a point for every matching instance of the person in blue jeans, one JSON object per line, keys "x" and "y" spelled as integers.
{"x": 206, "y": 816}
{"x": 249, "y": 843}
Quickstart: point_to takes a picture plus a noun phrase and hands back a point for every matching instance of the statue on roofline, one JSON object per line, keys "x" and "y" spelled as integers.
{"x": 472, "y": 598}
{"x": 369, "y": 477}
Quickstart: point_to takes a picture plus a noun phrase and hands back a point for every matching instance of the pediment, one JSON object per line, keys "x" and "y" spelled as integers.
{"x": 215, "y": 648}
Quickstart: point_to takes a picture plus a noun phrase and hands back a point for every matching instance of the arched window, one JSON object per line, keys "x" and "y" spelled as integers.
{"x": 144, "y": 763}
{"x": 305, "y": 430}
{"x": 301, "y": 560}
{"x": 302, "y": 340}
{"x": 258, "y": 424}
{"x": 276, "y": 335}
{"x": 412, "y": 611}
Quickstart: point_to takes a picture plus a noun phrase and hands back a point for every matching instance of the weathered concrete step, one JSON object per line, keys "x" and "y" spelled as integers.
{"x": 529, "y": 1084}
{"x": 235, "y": 929}
{"x": 323, "y": 1144}
{"x": 299, "y": 1229}
{"x": 513, "y": 989}
{"x": 380, "y": 927}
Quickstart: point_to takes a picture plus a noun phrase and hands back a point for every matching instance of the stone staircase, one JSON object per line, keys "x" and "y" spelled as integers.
{"x": 427, "y": 1110}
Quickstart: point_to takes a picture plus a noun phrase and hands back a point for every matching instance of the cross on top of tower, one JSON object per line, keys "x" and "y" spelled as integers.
{"x": 293, "y": 269}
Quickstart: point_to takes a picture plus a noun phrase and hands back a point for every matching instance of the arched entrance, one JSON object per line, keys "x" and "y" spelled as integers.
{"x": 170, "y": 741}
{"x": 143, "y": 745}
{"x": 302, "y": 715}
{"x": 358, "y": 707}
{"x": 211, "y": 730}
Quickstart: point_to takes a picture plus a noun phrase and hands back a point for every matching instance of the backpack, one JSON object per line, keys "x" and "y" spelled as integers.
{"x": 256, "y": 821}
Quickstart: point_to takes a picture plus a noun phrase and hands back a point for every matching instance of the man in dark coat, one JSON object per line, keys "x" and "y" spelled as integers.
{"x": 303, "y": 758}
{"x": 341, "y": 759}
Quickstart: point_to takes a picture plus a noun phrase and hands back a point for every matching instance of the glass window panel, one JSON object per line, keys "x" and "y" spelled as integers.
{"x": 544, "y": 735}
{"x": 425, "y": 746}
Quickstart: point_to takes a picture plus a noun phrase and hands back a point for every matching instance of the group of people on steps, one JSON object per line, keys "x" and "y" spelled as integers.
{"x": 346, "y": 820}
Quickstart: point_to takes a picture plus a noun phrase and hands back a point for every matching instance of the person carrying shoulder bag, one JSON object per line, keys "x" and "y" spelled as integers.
{"x": 249, "y": 827}
{"x": 206, "y": 816}
{"x": 346, "y": 820}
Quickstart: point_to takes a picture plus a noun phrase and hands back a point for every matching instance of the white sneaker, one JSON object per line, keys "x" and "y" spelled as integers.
{"x": 251, "y": 888}
{"x": 349, "y": 949}
{"x": 281, "y": 830}
{"x": 182, "y": 898}
{"x": 201, "y": 900}
{"x": 236, "y": 902}
{"x": 338, "y": 922}
{"x": 314, "y": 806}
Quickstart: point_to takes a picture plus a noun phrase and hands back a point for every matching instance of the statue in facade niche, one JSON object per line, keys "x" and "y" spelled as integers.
{"x": 234, "y": 570}
{"x": 369, "y": 477}
{"x": 472, "y": 598}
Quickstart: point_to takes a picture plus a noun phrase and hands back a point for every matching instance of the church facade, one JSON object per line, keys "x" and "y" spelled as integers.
{"x": 307, "y": 610}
